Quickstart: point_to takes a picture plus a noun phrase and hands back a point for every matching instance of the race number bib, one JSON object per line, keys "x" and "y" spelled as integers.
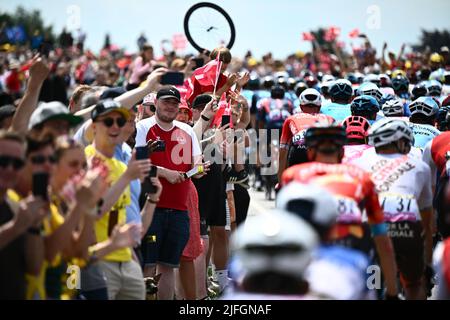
{"x": 348, "y": 210}
{"x": 299, "y": 138}
{"x": 399, "y": 207}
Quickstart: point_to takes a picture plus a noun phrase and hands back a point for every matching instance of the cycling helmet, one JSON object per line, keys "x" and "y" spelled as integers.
{"x": 389, "y": 130}
{"x": 385, "y": 81}
{"x": 434, "y": 88}
{"x": 310, "y": 96}
{"x": 253, "y": 84}
{"x": 400, "y": 84}
{"x": 325, "y": 88}
{"x": 419, "y": 90}
{"x": 356, "y": 127}
{"x": 328, "y": 78}
{"x": 277, "y": 92}
{"x": 341, "y": 90}
{"x": 364, "y": 105}
{"x": 323, "y": 130}
{"x": 370, "y": 89}
{"x": 352, "y": 78}
{"x": 373, "y": 78}
{"x": 312, "y": 203}
{"x": 282, "y": 83}
{"x": 299, "y": 88}
{"x": 268, "y": 82}
{"x": 393, "y": 108}
{"x": 424, "y": 105}
{"x": 447, "y": 77}
{"x": 291, "y": 83}
{"x": 310, "y": 81}
{"x": 386, "y": 97}
{"x": 276, "y": 241}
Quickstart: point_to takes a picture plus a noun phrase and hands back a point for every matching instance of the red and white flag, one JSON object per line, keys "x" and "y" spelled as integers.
{"x": 179, "y": 42}
{"x": 354, "y": 33}
{"x": 308, "y": 36}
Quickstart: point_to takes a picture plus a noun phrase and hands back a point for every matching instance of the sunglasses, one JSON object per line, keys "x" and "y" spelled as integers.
{"x": 42, "y": 159}
{"x": 109, "y": 122}
{"x": 16, "y": 163}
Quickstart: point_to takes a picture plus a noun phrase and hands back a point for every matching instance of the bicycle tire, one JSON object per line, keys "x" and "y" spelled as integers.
{"x": 212, "y": 6}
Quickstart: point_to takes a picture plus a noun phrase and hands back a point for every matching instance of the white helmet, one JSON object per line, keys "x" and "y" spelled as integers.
{"x": 370, "y": 89}
{"x": 388, "y": 130}
{"x": 310, "y": 96}
{"x": 393, "y": 107}
{"x": 312, "y": 203}
{"x": 276, "y": 241}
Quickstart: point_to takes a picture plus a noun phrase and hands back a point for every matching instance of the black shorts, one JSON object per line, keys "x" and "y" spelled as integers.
{"x": 296, "y": 155}
{"x": 211, "y": 199}
{"x": 241, "y": 203}
{"x": 407, "y": 239}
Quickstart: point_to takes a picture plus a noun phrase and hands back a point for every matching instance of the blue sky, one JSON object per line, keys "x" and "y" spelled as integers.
{"x": 261, "y": 25}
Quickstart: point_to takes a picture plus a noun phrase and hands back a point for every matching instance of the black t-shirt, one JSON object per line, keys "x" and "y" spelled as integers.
{"x": 12, "y": 262}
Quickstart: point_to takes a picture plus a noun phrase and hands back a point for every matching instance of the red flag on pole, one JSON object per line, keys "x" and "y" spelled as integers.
{"x": 307, "y": 36}
{"x": 354, "y": 33}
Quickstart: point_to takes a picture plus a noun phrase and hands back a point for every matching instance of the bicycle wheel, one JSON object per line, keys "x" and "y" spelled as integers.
{"x": 208, "y": 26}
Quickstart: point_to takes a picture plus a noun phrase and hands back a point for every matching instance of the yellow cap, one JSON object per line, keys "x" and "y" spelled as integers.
{"x": 436, "y": 57}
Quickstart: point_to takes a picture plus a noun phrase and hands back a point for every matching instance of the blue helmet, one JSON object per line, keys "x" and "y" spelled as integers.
{"x": 400, "y": 84}
{"x": 370, "y": 89}
{"x": 341, "y": 89}
{"x": 424, "y": 105}
{"x": 419, "y": 90}
{"x": 387, "y": 97}
{"x": 364, "y": 105}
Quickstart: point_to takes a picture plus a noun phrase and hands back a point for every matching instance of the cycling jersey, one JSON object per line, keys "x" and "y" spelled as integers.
{"x": 402, "y": 181}
{"x": 435, "y": 152}
{"x": 295, "y": 126}
{"x": 423, "y": 133}
{"x": 336, "y": 110}
{"x": 273, "y": 112}
{"x": 353, "y": 152}
{"x": 404, "y": 186}
{"x": 293, "y": 135}
{"x": 350, "y": 185}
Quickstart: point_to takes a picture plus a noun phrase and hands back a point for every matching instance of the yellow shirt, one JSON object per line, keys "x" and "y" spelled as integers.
{"x": 116, "y": 169}
{"x": 36, "y": 284}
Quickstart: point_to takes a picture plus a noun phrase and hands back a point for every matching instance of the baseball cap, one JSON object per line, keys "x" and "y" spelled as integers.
{"x": 201, "y": 99}
{"x": 7, "y": 111}
{"x": 168, "y": 92}
{"x": 52, "y": 110}
{"x": 149, "y": 99}
{"x": 108, "y": 106}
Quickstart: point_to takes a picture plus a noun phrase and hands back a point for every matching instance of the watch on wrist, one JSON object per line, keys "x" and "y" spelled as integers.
{"x": 204, "y": 117}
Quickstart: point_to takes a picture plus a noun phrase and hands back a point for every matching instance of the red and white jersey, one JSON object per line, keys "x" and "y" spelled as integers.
{"x": 350, "y": 185}
{"x": 402, "y": 181}
{"x": 352, "y": 152}
{"x": 181, "y": 147}
{"x": 295, "y": 126}
{"x": 435, "y": 152}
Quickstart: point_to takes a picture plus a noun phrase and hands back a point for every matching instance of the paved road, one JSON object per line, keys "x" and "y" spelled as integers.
{"x": 258, "y": 203}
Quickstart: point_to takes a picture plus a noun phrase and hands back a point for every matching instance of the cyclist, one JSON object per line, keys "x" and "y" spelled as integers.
{"x": 423, "y": 120}
{"x": 356, "y": 129}
{"x": 341, "y": 93}
{"x": 366, "y": 107}
{"x": 403, "y": 182}
{"x": 335, "y": 272}
{"x": 292, "y": 146}
{"x": 353, "y": 190}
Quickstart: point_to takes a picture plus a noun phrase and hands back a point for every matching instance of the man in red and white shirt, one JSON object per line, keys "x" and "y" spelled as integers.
{"x": 169, "y": 231}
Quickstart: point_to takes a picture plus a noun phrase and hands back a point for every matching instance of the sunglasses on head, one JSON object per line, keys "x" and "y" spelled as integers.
{"x": 109, "y": 122}
{"x": 16, "y": 163}
{"x": 39, "y": 159}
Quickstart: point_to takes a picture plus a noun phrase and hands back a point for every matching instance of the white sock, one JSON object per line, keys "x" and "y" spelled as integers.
{"x": 222, "y": 278}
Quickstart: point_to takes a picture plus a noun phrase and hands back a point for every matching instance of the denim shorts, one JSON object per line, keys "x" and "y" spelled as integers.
{"x": 166, "y": 238}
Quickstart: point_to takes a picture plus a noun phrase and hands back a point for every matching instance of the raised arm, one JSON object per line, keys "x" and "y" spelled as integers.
{"x": 38, "y": 73}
